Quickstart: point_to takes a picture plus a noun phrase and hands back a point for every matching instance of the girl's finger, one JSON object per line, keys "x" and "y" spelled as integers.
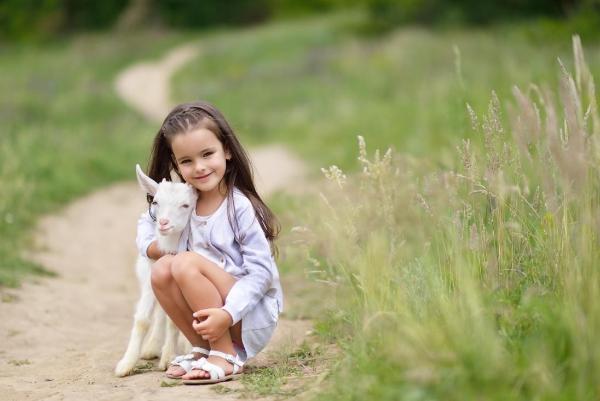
{"x": 202, "y": 324}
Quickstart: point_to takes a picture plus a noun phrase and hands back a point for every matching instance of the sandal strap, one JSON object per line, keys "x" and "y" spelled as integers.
{"x": 216, "y": 372}
{"x": 198, "y": 364}
{"x": 181, "y": 359}
{"x": 200, "y": 350}
{"x": 234, "y": 360}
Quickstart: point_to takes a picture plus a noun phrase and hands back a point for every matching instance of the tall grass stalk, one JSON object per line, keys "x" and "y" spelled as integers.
{"x": 480, "y": 282}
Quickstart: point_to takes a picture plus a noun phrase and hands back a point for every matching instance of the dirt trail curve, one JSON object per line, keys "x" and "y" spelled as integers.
{"x": 61, "y": 337}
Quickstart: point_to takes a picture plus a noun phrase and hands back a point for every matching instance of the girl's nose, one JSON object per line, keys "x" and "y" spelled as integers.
{"x": 199, "y": 166}
{"x": 163, "y": 222}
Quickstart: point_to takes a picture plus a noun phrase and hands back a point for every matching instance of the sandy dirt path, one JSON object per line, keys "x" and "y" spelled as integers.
{"x": 61, "y": 337}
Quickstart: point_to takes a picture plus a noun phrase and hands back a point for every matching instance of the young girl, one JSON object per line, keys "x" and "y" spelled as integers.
{"x": 222, "y": 289}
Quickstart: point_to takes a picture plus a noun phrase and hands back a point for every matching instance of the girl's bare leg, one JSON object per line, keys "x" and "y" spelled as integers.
{"x": 174, "y": 304}
{"x": 205, "y": 285}
{"x": 172, "y": 301}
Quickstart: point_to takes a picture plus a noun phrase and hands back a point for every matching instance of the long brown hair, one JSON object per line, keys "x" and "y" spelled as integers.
{"x": 238, "y": 172}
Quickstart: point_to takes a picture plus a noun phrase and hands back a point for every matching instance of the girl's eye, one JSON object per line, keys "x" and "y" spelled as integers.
{"x": 208, "y": 154}
{"x": 185, "y": 161}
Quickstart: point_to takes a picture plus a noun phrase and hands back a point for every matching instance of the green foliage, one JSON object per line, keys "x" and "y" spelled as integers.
{"x": 385, "y": 14}
{"x": 200, "y": 14}
{"x": 479, "y": 281}
{"x": 194, "y": 14}
{"x": 288, "y": 8}
{"x": 540, "y": 29}
{"x": 91, "y": 14}
{"x": 65, "y": 132}
{"x": 35, "y": 20}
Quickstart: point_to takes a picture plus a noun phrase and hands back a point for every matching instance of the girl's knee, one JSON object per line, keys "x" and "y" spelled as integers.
{"x": 161, "y": 272}
{"x": 184, "y": 264}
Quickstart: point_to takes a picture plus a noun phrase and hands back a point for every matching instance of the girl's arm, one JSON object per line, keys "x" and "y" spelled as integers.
{"x": 145, "y": 237}
{"x": 257, "y": 261}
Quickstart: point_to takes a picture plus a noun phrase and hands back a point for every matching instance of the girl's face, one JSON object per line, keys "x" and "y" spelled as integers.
{"x": 200, "y": 158}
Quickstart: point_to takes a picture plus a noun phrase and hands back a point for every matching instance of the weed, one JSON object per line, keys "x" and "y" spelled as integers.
{"x": 172, "y": 383}
{"x": 19, "y": 362}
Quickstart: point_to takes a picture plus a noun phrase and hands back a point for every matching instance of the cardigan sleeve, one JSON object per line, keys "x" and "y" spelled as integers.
{"x": 145, "y": 233}
{"x": 257, "y": 262}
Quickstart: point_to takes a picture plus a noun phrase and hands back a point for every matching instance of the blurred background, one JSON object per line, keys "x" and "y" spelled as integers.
{"x": 311, "y": 75}
{"x": 44, "y": 19}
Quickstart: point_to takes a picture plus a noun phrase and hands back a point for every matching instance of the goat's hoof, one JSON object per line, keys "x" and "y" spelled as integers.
{"x": 124, "y": 368}
{"x": 164, "y": 363}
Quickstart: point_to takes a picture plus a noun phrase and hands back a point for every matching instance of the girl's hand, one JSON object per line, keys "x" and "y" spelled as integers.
{"x": 216, "y": 321}
{"x": 153, "y": 252}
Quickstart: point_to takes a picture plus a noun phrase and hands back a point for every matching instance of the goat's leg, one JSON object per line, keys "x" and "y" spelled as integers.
{"x": 170, "y": 345}
{"x": 156, "y": 337}
{"x": 141, "y": 324}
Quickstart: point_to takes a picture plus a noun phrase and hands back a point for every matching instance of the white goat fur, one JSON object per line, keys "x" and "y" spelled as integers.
{"x": 174, "y": 202}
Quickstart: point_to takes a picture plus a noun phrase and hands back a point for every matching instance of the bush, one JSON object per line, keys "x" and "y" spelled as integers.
{"x": 388, "y": 13}
{"x": 34, "y": 20}
{"x": 199, "y": 14}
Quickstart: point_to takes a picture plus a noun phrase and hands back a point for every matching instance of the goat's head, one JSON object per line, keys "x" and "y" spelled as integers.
{"x": 173, "y": 202}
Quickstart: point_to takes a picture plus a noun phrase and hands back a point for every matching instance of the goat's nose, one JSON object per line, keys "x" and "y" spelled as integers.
{"x": 163, "y": 222}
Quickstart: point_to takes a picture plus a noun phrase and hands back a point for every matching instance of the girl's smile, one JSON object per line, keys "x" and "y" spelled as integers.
{"x": 201, "y": 159}
{"x": 203, "y": 177}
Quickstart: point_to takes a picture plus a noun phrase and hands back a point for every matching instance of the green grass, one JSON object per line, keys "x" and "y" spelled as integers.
{"x": 65, "y": 132}
{"x": 316, "y": 84}
{"x": 289, "y": 374}
{"x": 475, "y": 282}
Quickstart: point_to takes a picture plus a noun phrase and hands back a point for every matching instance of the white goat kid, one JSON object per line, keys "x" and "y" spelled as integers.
{"x": 173, "y": 204}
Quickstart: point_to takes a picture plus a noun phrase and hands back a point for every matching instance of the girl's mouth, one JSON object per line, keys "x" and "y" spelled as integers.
{"x": 202, "y": 177}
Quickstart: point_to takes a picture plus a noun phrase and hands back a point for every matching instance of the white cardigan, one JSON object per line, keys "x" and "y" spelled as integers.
{"x": 250, "y": 260}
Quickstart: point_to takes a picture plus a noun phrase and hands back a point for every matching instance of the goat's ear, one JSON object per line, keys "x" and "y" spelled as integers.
{"x": 146, "y": 183}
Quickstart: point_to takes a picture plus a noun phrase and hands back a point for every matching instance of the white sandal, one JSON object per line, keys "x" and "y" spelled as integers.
{"x": 217, "y": 374}
{"x": 185, "y": 361}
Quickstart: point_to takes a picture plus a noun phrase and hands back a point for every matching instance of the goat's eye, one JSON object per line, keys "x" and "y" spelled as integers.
{"x": 155, "y": 203}
{"x": 185, "y": 206}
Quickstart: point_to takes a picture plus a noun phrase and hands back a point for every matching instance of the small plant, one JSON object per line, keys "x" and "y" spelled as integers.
{"x": 170, "y": 383}
{"x": 284, "y": 377}
{"x": 19, "y": 362}
{"x": 142, "y": 368}
{"x": 221, "y": 389}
